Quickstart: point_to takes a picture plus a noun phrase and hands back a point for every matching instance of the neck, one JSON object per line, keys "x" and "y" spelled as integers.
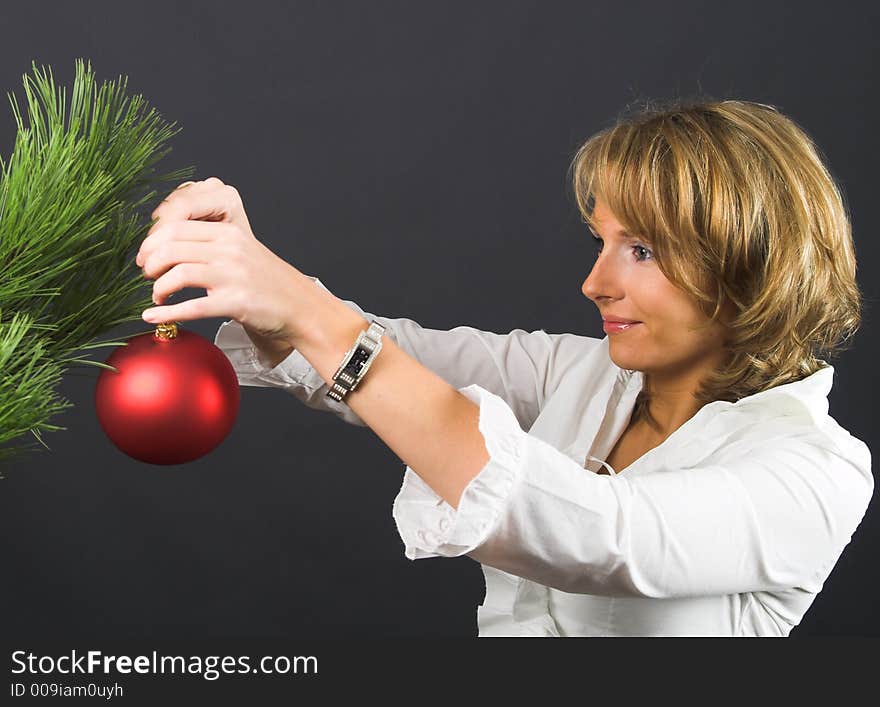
{"x": 670, "y": 409}
{"x": 671, "y": 391}
{"x": 671, "y": 400}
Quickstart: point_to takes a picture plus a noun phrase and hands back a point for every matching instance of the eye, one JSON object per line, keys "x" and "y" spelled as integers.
{"x": 648, "y": 254}
{"x": 642, "y": 248}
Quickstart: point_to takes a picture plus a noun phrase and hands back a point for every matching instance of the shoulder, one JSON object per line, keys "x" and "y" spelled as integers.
{"x": 767, "y": 425}
{"x": 788, "y": 438}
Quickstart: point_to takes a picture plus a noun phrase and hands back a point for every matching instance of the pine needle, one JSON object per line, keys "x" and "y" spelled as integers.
{"x": 73, "y": 197}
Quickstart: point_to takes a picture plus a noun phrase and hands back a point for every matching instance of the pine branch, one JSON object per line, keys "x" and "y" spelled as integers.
{"x": 71, "y": 198}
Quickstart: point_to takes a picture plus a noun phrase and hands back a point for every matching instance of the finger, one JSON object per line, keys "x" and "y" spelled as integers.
{"x": 186, "y": 185}
{"x": 177, "y": 253}
{"x": 180, "y": 276}
{"x": 197, "y": 308}
{"x": 211, "y": 200}
{"x": 178, "y": 231}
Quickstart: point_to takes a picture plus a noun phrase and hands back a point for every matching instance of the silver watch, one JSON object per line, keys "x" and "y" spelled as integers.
{"x": 357, "y": 361}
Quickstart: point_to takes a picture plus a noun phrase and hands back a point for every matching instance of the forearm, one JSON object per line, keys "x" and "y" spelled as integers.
{"x": 426, "y": 422}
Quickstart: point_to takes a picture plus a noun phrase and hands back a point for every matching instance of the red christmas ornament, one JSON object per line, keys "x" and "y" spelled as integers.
{"x": 174, "y": 398}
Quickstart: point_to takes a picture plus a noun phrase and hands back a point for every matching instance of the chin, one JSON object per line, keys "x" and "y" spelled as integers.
{"x": 623, "y": 359}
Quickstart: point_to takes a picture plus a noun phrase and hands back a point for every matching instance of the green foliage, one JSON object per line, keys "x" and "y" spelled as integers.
{"x": 72, "y": 215}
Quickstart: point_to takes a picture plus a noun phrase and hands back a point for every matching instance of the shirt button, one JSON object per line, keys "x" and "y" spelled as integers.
{"x": 444, "y": 524}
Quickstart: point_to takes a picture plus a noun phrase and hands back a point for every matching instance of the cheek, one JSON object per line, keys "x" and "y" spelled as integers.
{"x": 658, "y": 300}
{"x": 669, "y": 313}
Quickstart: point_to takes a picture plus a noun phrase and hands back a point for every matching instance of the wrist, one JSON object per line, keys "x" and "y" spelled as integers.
{"x": 326, "y": 330}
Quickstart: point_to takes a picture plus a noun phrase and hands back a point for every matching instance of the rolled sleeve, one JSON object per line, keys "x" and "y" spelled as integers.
{"x": 431, "y": 527}
{"x": 253, "y": 370}
{"x": 294, "y": 374}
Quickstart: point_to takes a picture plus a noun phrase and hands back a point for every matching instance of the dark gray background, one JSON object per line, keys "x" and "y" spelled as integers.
{"x": 413, "y": 155}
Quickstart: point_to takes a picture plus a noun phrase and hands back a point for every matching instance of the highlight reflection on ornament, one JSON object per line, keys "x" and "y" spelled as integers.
{"x": 173, "y": 398}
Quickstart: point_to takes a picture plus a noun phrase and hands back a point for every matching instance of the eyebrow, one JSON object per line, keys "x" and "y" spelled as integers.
{"x": 622, "y": 232}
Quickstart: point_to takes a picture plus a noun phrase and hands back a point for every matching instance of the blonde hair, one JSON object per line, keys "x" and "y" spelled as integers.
{"x": 740, "y": 210}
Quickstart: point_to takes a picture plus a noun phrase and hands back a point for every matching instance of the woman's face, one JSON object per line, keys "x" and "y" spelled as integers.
{"x": 626, "y": 283}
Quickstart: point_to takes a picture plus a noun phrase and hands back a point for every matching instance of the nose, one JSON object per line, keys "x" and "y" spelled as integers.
{"x": 602, "y": 281}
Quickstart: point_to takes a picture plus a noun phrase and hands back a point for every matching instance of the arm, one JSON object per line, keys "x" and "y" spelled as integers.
{"x": 523, "y": 368}
{"x": 774, "y": 519}
{"x": 429, "y": 424}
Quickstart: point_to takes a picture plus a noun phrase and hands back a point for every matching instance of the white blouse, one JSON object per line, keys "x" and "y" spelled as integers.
{"x": 728, "y": 528}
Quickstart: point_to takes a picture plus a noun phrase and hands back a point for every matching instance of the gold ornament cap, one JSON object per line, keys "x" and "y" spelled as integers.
{"x": 166, "y": 330}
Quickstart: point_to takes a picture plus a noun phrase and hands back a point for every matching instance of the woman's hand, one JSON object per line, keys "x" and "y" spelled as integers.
{"x": 203, "y": 239}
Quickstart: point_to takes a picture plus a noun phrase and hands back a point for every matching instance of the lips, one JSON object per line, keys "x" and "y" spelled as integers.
{"x": 609, "y": 320}
{"x": 618, "y": 327}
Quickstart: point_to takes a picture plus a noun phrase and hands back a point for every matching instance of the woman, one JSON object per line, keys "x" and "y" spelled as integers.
{"x": 726, "y": 259}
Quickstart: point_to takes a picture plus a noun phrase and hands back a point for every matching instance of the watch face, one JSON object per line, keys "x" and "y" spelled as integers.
{"x": 360, "y": 356}
{"x": 358, "y": 359}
